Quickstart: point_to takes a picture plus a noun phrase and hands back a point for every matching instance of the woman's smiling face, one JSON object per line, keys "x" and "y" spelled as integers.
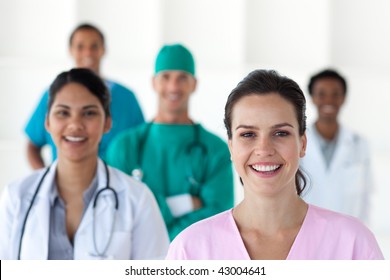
{"x": 266, "y": 146}
{"x": 76, "y": 122}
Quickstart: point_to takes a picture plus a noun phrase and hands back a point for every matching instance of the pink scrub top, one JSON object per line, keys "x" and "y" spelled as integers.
{"x": 324, "y": 235}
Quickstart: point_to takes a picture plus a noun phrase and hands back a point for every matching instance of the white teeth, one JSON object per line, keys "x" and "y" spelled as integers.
{"x": 74, "y": 139}
{"x": 265, "y": 168}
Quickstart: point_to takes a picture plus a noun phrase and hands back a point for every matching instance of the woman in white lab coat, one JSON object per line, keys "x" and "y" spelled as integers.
{"x": 337, "y": 161}
{"x": 79, "y": 208}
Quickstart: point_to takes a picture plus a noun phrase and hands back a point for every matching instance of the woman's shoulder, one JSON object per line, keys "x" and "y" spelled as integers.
{"x": 346, "y": 236}
{"x": 212, "y": 226}
{"x": 25, "y": 184}
{"x": 213, "y": 238}
{"x": 346, "y": 224}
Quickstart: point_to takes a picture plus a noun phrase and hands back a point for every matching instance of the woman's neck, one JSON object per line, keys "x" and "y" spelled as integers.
{"x": 270, "y": 215}
{"x": 73, "y": 178}
{"x": 327, "y": 129}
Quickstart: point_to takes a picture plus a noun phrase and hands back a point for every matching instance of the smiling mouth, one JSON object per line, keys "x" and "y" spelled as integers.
{"x": 74, "y": 139}
{"x": 267, "y": 169}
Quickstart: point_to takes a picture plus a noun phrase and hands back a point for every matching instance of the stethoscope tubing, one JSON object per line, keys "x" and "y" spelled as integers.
{"x": 107, "y": 187}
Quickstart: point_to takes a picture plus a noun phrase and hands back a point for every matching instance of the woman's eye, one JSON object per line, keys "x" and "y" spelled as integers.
{"x": 90, "y": 113}
{"x": 247, "y": 134}
{"x": 62, "y": 113}
{"x": 282, "y": 133}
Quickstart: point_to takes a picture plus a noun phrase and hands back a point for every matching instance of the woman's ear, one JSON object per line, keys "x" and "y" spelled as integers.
{"x": 107, "y": 125}
{"x": 47, "y": 124}
{"x": 230, "y": 148}
{"x": 302, "y": 152}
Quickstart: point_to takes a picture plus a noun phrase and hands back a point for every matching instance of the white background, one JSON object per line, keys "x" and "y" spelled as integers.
{"x": 228, "y": 38}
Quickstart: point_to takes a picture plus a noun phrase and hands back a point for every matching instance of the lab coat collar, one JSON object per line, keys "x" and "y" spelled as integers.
{"x": 48, "y": 183}
{"x": 344, "y": 135}
{"x": 39, "y": 216}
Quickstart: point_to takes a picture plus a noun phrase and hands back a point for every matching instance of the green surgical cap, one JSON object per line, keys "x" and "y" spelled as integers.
{"x": 175, "y": 57}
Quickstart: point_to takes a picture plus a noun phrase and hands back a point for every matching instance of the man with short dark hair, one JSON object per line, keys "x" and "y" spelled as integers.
{"x": 87, "y": 48}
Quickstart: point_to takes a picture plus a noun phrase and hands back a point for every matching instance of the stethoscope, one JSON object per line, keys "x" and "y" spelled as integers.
{"x": 137, "y": 172}
{"x": 101, "y": 254}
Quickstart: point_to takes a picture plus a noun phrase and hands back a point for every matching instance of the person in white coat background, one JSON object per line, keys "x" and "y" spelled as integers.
{"x": 80, "y": 208}
{"x": 337, "y": 159}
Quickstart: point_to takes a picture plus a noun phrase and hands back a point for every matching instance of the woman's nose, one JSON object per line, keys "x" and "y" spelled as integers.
{"x": 264, "y": 147}
{"x": 76, "y": 122}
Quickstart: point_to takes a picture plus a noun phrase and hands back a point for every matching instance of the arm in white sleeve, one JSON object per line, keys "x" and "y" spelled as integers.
{"x": 180, "y": 204}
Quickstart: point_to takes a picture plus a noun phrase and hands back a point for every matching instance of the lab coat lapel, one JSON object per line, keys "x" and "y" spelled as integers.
{"x": 314, "y": 150}
{"x": 35, "y": 243}
{"x": 343, "y": 148}
{"x": 104, "y": 201}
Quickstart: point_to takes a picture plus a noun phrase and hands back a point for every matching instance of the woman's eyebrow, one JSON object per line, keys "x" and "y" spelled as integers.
{"x": 279, "y": 125}
{"x": 90, "y": 106}
{"x": 244, "y": 126}
{"x": 62, "y": 106}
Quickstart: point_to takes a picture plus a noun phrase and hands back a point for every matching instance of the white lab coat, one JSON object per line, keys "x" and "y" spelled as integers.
{"x": 139, "y": 230}
{"x": 346, "y": 185}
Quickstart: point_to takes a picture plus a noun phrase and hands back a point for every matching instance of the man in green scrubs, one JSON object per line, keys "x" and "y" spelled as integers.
{"x": 187, "y": 167}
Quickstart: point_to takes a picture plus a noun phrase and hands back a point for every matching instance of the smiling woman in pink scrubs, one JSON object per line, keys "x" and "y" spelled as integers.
{"x": 266, "y": 124}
